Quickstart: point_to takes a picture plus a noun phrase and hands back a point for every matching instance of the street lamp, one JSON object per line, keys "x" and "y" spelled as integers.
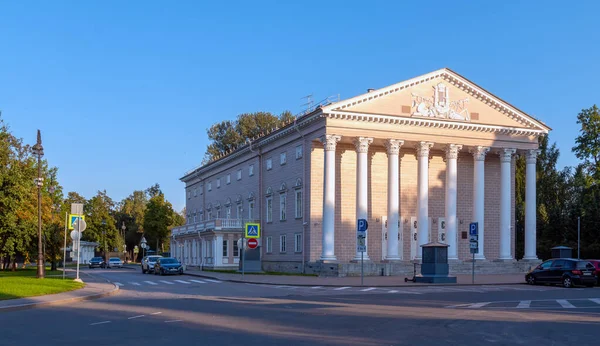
{"x": 104, "y": 234}
{"x": 124, "y": 242}
{"x": 38, "y": 150}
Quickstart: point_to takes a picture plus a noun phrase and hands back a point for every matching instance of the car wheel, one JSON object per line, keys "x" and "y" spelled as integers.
{"x": 531, "y": 280}
{"x": 567, "y": 282}
{"x": 143, "y": 271}
{"x": 180, "y": 271}
{"x": 162, "y": 272}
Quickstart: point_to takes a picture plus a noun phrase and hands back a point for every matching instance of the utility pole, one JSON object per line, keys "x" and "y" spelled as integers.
{"x": 578, "y": 237}
{"x": 38, "y": 150}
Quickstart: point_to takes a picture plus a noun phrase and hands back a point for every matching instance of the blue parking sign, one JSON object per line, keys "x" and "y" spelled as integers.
{"x": 473, "y": 228}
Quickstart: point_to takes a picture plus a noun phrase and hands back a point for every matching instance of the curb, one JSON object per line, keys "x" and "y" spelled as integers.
{"x": 401, "y": 284}
{"x": 27, "y": 306}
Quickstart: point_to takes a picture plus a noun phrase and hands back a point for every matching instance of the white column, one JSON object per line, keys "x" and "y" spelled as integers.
{"x": 423, "y": 196}
{"x": 479, "y": 153}
{"x": 328, "y": 224}
{"x": 393, "y": 150}
{"x": 451, "y": 194}
{"x": 218, "y": 250}
{"x": 362, "y": 186}
{"x": 530, "y": 205}
{"x": 505, "y": 194}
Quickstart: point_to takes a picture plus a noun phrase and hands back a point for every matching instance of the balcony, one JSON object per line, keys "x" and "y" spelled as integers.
{"x": 220, "y": 224}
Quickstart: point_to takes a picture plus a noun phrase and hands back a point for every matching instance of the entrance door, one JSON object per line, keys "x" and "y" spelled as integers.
{"x": 413, "y": 237}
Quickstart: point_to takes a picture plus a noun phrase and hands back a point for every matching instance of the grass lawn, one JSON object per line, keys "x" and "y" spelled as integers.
{"x": 23, "y": 283}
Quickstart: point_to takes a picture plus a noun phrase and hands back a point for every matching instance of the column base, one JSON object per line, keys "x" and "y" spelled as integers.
{"x": 357, "y": 259}
{"x": 328, "y": 259}
{"x": 505, "y": 259}
{"x": 392, "y": 259}
{"x": 534, "y": 258}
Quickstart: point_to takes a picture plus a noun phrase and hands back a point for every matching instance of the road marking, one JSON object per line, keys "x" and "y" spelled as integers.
{"x": 171, "y": 321}
{"x": 151, "y": 283}
{"x": 183, "y": 282}
{"x": 215, "y": 281}
{"x": 315, "y": 287}
{"x": 134, "y": 317}
{"x": 565, "y": 304}
{"x": 198, "y": 281}
{"x": 156, "y": 313}
{"x": 118, "y": 284}
{"x": 477, "y": 305}
{"x": 368, "y": 289}
{"x": 167, "y": 282}
{"x": 283, "y": 286}
{"x": 595, "y": 300}
{"x": 97, "y": 323}
{"x": 392, "y": 291}
{"x": 524, "y": 304}
{"x": 341, "y": 288}
{"x": 135, "y": 283}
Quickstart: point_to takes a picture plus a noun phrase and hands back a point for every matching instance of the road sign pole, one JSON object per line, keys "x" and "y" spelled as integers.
{"x": 473, "y": 272}
{"x": 78, "y": 248}
{"x": 362, "y": 264}
{"x": 65, "y": 246}
{"x": 243, "y": 255}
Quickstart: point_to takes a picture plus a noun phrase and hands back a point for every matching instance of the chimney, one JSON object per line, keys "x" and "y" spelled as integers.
{"x": 369, "y": 90}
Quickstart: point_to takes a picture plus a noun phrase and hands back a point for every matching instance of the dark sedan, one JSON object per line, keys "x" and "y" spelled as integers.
{"x": 565, "y": 271}
{"x": 167, "y": 265}
{"x": 97, "y": 262}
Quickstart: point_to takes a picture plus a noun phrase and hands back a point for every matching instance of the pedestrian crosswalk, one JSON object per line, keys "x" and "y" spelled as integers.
{"x": 552, "y": 304}
{"x": 166, "y": 282}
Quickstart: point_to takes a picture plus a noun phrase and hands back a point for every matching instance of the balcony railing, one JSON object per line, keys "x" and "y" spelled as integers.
{"x": 220, "y": 224}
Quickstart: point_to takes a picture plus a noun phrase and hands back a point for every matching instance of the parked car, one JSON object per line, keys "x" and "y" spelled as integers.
{"x": 167, "y": 265}
{"x": 596, "y": 264}
{"x": 115, "y": 262}
{"x": 565, "y": 271}
{"x": 97, "y": 262}
{"x": 148, "y": 263}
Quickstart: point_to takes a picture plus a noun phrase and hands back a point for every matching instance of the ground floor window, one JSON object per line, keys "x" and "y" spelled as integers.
{"x": 298, "y": 242}
{"x": 225, "y": 248}
{"x": 282, "y": 243}
{"x": 236, "y": 249}
{"x": 269, "y": 244}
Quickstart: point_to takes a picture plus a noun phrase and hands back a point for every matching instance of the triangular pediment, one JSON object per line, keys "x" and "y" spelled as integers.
{"x": 442, "y": 95}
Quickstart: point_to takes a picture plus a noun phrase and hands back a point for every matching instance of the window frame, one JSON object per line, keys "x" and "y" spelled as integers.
{"x": 283, "y": 206}
{"x": 250, "y": 209}
{"x": 239, "y": 174}
{"x": 299, "y": 151}
{"x": 298, "y": 205}
{"x": 225, "y": 248}
{"x": 269, "y": 164}
{"x": 228, "y": 179}
{"x": 251, "y": 170}
{"x": 298, "y": 243}
{"x": 218, "y": 183}
{"x": 283, "y": 158}
{"x": 283, "y": 243}
{"x": 269, "y": 244}
{"x": 269, "y": 208}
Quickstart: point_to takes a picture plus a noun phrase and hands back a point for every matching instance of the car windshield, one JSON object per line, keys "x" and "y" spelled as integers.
{"x": 97, "y": 259}
{"x": 154, "y": 258}
{"x": 168, "y": 261}
{"x": 115, "y": 260}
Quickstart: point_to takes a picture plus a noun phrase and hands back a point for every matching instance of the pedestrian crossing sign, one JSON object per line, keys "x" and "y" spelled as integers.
{"x": 252, "y": 230}
{"x": 73, "y": 218}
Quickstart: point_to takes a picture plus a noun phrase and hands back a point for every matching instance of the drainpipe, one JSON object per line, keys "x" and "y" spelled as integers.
{"x": 303, "y": 194}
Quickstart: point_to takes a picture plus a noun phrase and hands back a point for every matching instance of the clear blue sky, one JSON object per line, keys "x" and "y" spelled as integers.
{"x": 124, "y": 91}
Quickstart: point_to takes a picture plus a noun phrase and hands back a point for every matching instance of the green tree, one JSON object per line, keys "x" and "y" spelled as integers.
{"x": 101, "y": 225}
{"x": 158, "y": 220}
{"x": 588, "y": 141}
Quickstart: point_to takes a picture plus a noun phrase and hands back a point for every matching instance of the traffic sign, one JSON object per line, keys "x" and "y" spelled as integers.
{"x": 473, "y": 228}
{"x": 79, "y": 225}
{"x": 473, "y": 238}
{"x": 474, "y": 250}
{"x": 73, "y": 218}
{"x": 252, "y": 230}
{"x": 252, "y": 243}
{"x": 361, "y": 245}
{"x": 75, "y": 235}
{"x": 363, "y": 225}
{"x": 77, "y": 208}
{"x": 136, "y": 249}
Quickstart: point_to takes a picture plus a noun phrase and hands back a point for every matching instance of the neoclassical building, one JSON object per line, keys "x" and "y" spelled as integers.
{"x": 420, "y": 160}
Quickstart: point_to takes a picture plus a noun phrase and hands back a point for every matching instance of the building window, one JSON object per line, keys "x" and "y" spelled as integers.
{"x": 209, "y": 215}
{"x": 250, "y": 170}
{"x": 228, "y": 211}
{"x": 218, "y": 213}
{"x": 269, "y": 164}
{"x": 187, "y": 219}
{"x": 195, "y": 211}
{"x": 209, "y": 248}
{"x": 282, "y": 158}
{"x": 189, "y": 194}
{"x": 282, "y": 206}
{"x": 218, "y": 183}
{"x": 225, "y": 248}
{"x": 299, "y": 152}
{"x": 239, "y": 211}
{"x": 298, "y": 242}
{"x": 239, "y": 174}
{"x": 269, "y": 244}
{"x": 201, "y": 216}
{"x": 236, "y": 249}
{"x": 298, "y": 202}
{"x": 228, "y": 178}
{"x": 195, "y": 193}
{"x": 282, "y": 245}
{"x": 210, "y": 186}
{"x": 251, "y": 209}
{"x": 269, "y": 209}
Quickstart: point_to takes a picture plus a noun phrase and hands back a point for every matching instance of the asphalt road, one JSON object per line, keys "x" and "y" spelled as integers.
{"x": 186, "y": 310}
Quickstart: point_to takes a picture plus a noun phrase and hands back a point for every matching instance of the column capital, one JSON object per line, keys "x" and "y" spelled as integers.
{"x": 506, "y": 154}
{"x": 330, "y": 141}
{"x": 393, "y": 146}
{"x": 452, "y": 151}
{"x": 531, "y": 155}
{"x": 423, "y": 149}
{"x": 479, "y": 152}
{"x": 362, "y": 144}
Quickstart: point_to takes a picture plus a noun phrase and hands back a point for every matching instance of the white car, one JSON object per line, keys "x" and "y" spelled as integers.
{"x": 148, "y": 263}
{"x": 115, "y": 262}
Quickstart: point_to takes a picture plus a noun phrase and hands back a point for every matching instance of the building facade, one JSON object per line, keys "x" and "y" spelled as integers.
{"x": 420, "y": 160}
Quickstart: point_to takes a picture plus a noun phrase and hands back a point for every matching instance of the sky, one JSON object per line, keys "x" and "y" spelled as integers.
{"x": 123, "y": 91}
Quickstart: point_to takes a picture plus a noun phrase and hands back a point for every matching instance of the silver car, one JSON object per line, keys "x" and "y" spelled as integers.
{"x": 115, "y": 262}
{"x": 148, "y": 263}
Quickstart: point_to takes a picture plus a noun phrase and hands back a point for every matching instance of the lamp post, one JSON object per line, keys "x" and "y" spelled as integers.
{"x": 38, "y": 150}
{"x": 104, "y": 234}
{"x": 123, "y": 228}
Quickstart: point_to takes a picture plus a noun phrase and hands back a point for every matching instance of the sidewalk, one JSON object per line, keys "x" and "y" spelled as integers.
{"x": 94, "y": 288}
{"x": 372, "y": 281}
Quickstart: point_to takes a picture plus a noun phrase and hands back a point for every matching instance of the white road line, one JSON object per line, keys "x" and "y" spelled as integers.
{"x": 135, "y": 283}
{"x": 315, "y": 287}
{"x": 156, "y": 313}
{"x": 118, "y": 284}
{"x": 97, "y": 323}
{"x": 477, "y": 305}
{"x": 282, "y": 286}
{"x": 198, "y": 281}
{"x": 183, "y": 282}
{"x": 595, "y": 300}
{"x": 368, "y": 289}
{"x": 393, "y": 291}
{"x": 171, "y": 321}
{"x": 134, "y": 317}
{"x": 565, "y": 304}
{"x": 524, "y": 304}
{"x": 167, "y": 282}
{"x": 151, "y": 283}
{"x": 342, "y": 288}
{"x": 215, "y": 281}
